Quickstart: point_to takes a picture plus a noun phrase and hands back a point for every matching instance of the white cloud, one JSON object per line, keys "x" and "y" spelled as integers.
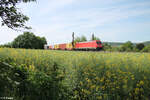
{"x": 85, "y": 21}
{"x": 7, "y": 35}
{"x": 52, "y": 19}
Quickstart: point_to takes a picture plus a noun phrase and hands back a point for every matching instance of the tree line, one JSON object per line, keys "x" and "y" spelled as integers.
{"x": 27, "y": 40}
{"x": 127, "y": 47}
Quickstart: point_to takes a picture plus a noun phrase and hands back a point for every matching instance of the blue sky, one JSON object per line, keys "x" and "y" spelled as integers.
{"x": 110, "y": 20}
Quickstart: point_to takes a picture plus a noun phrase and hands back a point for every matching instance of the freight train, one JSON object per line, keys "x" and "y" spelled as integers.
{"x": 88, "y": 45}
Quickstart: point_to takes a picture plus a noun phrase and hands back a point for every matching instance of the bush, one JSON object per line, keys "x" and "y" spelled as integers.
{"x": 140, "y": 46}
{"x": 26, "y": 83}
{"x": 107, "y": 47}
{"x": 146, "y": 48}
{"x": 128, "y": 46}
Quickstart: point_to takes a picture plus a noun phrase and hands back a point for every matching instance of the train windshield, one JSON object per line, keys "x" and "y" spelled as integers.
{"x": 98, "y": 42}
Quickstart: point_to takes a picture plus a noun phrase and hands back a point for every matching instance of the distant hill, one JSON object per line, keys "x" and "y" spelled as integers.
{"x": 146, "y": 43}
{"x": 116, "y": 44}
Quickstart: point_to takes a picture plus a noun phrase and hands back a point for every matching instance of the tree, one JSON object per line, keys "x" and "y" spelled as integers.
{"x": 146, "y": 48}
{"x": 94, "y": 37}
{"x": 140, "y": 46}
{"x": 107, "y": 47}
{"x": 29, "y": 41}
{"x": 83, "y": 38}
{"x": 10, "y": 15}
{"x": 41, "y": 42}
{"x": 128, "y": 46}
{"x": 80, "y": 39}
{"x": 8, "y": 45}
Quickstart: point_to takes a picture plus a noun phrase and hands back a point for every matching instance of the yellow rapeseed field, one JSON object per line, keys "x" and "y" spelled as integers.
{"x": 92, "y": 75}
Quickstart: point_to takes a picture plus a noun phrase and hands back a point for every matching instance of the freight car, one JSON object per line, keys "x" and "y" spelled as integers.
{"x": 88, "y": 45}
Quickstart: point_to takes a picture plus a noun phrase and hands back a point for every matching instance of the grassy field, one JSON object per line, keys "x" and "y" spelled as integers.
{"x": 86, "y": 75}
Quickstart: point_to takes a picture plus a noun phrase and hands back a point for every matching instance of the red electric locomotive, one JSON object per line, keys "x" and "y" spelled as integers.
{"x": 89, "y": 45}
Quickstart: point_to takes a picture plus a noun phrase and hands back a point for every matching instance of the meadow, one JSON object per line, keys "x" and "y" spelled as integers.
{"x": 74, "y": 75}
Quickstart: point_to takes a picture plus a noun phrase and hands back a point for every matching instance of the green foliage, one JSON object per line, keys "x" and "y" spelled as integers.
{"x": 44, "y": 74}
{"x": 146, "y": 48}
{"x": 6, "y": 83}
{"x": 99, "y": 82}
{"x": 94, "y": 37}
{"x": 8, "y": 45}
{"x": 128, "y": 46}
{"x": 25, "y": 83}
{"x": 114, "y": 44}
{"x": 10, "y": 15}
{"x": 83, "y": 38}
{"x": 107, "y": 47}
{"x": 140, "y": 46}
{"x": 80, "y": 39}
{"x": 29, "y": 41}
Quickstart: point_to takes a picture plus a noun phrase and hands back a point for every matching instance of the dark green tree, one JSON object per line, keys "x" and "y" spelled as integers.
{"x": 29, "y": 41}
{"x": 10, "y": 15}
{"x": 140, "y": 46}
{"x": 41, "y": 41}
